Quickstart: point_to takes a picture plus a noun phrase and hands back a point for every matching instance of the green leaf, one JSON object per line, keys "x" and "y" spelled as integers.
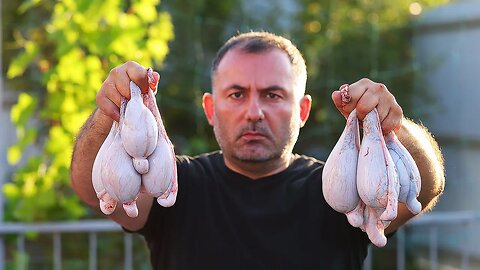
{"x": 23, "y": 110}
{"x": 19, "y": 64}
{"x": 73, "y": 122}
{"x": 14, "y": 154}
{"x": 28, "y": 4}
{"x": 25, "y": 138}
{"x": 59, "y": 140}
{"x": 11, "y": 191}
{"x": 145, "y": 10}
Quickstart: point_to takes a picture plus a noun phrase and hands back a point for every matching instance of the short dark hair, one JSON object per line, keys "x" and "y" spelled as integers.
{"x": 259, "y": 42}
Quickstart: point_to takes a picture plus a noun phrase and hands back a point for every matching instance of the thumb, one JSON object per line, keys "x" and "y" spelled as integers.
{"x": 153, "y": 77}
{"x": 154, "y": 84}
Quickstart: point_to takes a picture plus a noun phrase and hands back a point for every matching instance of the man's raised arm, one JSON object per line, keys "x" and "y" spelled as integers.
{"x": 93, "y": 134}
{"x": 426, "y": 153}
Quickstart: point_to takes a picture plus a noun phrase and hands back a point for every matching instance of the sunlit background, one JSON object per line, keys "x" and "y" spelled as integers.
{"x": 56, "y": 54}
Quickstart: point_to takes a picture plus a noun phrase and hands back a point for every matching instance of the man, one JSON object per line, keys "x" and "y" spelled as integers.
{"x": 254, "y": 204}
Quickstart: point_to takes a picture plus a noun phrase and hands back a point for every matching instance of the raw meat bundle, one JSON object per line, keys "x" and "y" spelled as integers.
{"x": 137, "y": 156}
{"x": 366, "y": 182}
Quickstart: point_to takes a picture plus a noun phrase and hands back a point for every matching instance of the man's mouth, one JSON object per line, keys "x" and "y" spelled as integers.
{"x": 252, "y": 136}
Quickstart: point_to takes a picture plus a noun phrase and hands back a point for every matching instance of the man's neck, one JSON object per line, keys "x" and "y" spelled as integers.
{"x": 260, "y": 169}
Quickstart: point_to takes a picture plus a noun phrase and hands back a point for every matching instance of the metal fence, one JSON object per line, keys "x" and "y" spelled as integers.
{"x": 460, "y": 221}
{"x": 92, "y": 228}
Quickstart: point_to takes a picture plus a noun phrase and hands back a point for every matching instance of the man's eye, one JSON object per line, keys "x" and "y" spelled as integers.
{"x": 237, "y": 95}
{"x": 273, "y": 96}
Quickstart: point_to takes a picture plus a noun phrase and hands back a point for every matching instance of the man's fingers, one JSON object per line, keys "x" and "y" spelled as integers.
{"x": 367, "y": 95}
{"x": 109, "y": 108}
{"x": 356, "y": 92}
{"x": 383, "y": 110}
{"x": 117, "y": 85}
{"x": 366, "y": 104}
{"x": 138, "y": 74}
{"x": 395, "y": 124}
{"x": 109, "y": 91}
{"x": 118, "y": 81}
{"x": 108, "y": 99}
{"x": 390, "y": 113}
{"x": 130, "y": 71}
{"x": 391, "y": 122}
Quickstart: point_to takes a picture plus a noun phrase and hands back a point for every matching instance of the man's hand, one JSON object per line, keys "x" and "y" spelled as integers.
{"x": 95, "y": 130}
{"x": 367, "y": 95}
{"x": 117, "y": 85}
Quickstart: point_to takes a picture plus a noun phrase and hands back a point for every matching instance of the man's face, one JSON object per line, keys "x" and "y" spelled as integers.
{"x": 254, "y": 110}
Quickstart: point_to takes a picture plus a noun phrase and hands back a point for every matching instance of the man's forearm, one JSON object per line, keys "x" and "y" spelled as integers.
{"x": 426, "y": 153}
{"x": 90, "y": 137}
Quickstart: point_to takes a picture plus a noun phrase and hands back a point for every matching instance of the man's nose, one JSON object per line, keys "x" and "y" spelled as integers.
{"x": 254, "y": 111}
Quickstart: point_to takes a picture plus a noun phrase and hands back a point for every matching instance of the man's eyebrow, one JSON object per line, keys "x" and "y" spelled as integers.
{"x": 273, "y": 88}
{"x": 235, "y": 87}
{"x": 266, "y": 89}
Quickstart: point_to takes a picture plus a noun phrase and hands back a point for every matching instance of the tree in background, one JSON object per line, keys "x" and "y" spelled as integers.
{"x": 65, "y": 49}
{"x": 344, "y": 41}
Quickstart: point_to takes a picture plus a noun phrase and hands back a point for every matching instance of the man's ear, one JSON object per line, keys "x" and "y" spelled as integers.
{"x": 305, "y": 106}
{"x": 207, "y": 103}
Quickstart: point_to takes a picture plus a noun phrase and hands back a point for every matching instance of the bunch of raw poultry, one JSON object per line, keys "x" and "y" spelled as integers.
{"x": 366, "y": 180}
{"x": 137, "y": 156}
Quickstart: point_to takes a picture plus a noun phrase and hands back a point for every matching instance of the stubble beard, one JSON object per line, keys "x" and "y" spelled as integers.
{"x": 256, "y": 152}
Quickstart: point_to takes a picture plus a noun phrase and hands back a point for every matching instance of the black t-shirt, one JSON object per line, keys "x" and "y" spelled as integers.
{"x": 224, "y": 220}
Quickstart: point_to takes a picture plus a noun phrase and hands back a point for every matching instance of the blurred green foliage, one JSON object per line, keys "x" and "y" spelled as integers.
{"x": 344, "y": 41}
{"x": 66, "y": 48}
{"x": 64, "y": 51}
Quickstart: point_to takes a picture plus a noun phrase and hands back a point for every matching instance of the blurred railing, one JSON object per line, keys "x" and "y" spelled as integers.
{"x": 56, "y": 229}
{"x": 461, "y": 221}
{"x": 431, "y": 222}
